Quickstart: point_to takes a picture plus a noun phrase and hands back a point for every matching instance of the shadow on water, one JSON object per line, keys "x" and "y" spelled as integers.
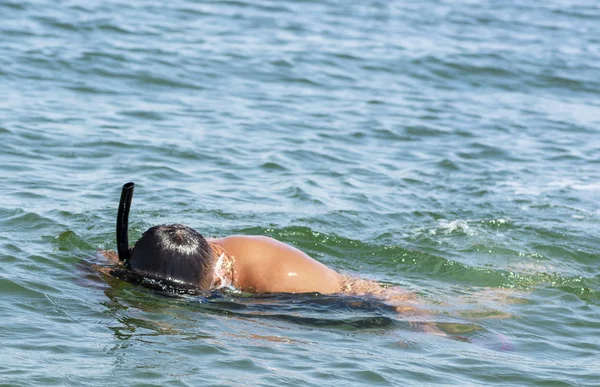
{"x": 333, "y": 313}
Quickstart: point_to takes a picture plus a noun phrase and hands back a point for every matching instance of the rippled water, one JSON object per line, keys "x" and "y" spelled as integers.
{"x": 451, "y": 148}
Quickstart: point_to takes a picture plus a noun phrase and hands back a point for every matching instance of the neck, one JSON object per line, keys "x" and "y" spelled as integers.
{"x": 224, "y": 267}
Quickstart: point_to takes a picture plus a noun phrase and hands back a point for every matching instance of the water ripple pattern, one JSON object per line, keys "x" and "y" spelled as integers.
{"x": 448, "y": 147}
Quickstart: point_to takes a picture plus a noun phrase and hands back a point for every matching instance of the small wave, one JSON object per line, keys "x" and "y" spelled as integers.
{"x": 459, "y": 66}
{"x": 426, "y": 131}
{"x": 13, "y": 5}
{"x": 16, "y": 288}
{"x": 22, "y": 221}
{"x": 70, "y": 241}
{"x": 489, "y": 154}
{"x": 273, "y": 166}
{"x": 144, "y": 114}
{"x": 463, "y": 226}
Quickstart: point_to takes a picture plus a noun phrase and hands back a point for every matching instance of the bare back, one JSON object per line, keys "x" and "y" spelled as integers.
{"x": 263, "y": 264}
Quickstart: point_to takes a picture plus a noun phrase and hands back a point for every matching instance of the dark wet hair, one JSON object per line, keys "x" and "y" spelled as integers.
{"x": 171, "y": 256}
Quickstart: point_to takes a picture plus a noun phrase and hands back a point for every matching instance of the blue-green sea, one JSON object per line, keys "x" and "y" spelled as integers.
{"x": 448, "y": 147}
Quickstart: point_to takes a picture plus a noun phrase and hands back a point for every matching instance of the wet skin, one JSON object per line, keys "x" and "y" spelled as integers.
{"x": 265, "y": 265}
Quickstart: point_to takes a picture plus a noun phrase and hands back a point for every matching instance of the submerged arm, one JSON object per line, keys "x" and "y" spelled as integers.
{"x": 113, "y": 259}
{"x": 111, "y": 256}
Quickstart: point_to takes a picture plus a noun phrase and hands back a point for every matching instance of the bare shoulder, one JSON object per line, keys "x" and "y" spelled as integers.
{"x": 255, "y": 244}
{"x": 265, "y": 264}
{"x": 247, "y": 239}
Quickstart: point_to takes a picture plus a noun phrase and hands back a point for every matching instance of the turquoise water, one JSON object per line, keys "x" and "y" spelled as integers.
{"x": 450, "y": 148}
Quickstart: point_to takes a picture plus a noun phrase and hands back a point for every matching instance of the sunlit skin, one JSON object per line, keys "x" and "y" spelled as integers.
{"x": 265, "y": 265}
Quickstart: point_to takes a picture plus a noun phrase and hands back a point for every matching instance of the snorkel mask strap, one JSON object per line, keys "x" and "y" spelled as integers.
{"x": 123, "y": 222}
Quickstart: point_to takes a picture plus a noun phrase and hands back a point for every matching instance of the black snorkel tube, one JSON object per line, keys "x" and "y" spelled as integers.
{"x": 125, "y": 253}
{"x": 123, "y": 222}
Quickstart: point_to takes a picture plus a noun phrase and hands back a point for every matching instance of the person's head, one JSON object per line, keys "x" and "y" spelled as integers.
{"x": 176, "y": 254}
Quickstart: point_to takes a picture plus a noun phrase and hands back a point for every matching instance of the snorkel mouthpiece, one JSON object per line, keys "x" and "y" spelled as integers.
{"x": 123, "y": 222}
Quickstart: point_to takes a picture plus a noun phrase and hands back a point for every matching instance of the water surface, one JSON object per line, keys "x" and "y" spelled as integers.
{"x": 450, "y": 148}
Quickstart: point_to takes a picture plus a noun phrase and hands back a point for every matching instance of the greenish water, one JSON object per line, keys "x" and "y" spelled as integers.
{"x": 451, "y": 148}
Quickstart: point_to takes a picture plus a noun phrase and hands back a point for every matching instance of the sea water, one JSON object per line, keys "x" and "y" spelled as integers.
{"x": 451, "y": 148}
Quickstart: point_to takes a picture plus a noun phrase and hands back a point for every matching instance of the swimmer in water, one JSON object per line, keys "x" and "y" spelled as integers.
{"x": 176, "y": 257}
{"x": 179, "y": 259}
